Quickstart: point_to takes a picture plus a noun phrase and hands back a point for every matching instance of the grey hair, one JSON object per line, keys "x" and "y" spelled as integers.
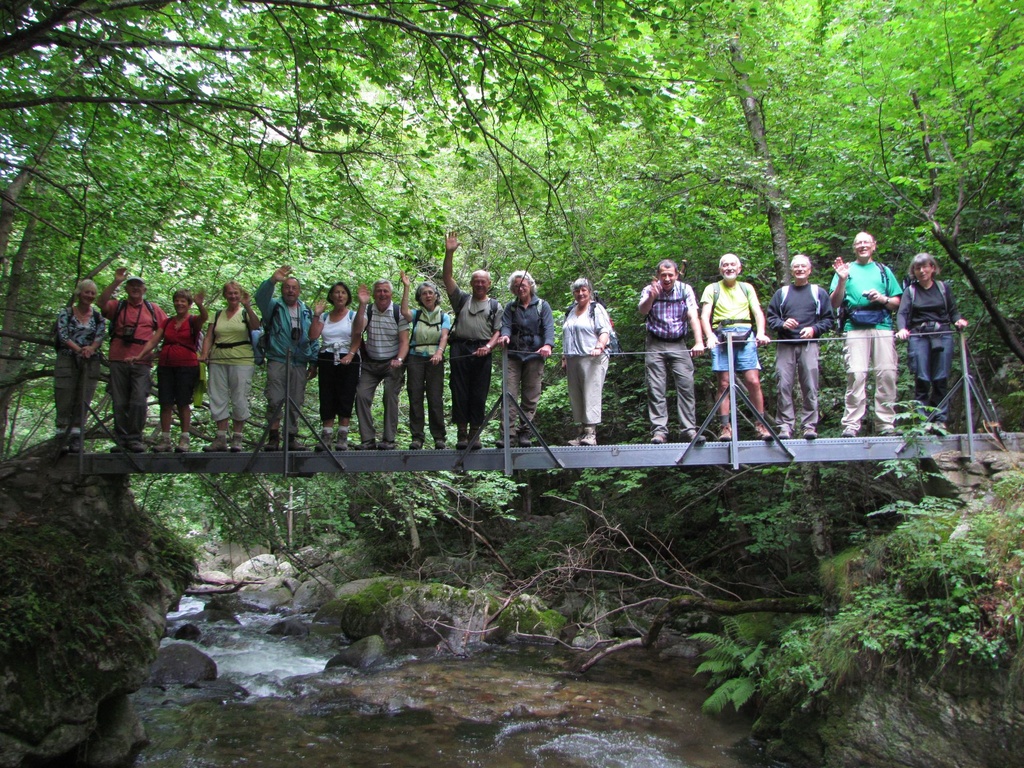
{"x": 581, "y": 282}
{"x": 85, "y": 283}
{"x": 665, "y": 263}
{"x": 522, "y": 274}
{"x": 383, "y": 281}
{"x": 923, "y": 258}
{"x": 426, "y": 285}
{"x": 729, "y": 256}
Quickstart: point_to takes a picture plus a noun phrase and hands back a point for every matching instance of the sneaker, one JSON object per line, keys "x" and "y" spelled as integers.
{"x": 810, "y": 434}
{"x": 183, "y": 444}
{"x": 726, "y": 433}
{"x": 440, "y": 445}
{"x": 659, "y": 439}
{"x": 136, "y": 446}
{"x": 848, "y": 432}
{"x": 220, "y": 443}
{"x": 785, "y": 434}
{"x": 763, "y": 432}
{"x": 416, "y": 445}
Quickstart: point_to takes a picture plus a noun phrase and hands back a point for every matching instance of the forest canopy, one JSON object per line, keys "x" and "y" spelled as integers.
{"x": 205, "y": 141}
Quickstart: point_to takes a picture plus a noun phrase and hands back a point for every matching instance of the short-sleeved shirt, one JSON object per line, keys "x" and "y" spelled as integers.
{"x": 863, "y": 278}
{"x": 179, "y": 345}
{"x": 668, "y": 318}
{"x": 138, "y": 317}
{"x": 382, "y": 332}
{"x": 735, "y": 305}
{"x": 581, "y": 333}
{"x": 474, "y": 320}
{"x": 83, "y": 334}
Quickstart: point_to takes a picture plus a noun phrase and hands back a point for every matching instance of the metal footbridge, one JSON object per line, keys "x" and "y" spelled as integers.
{"x": 681, "y": 455}
{"x": 917, "y": 443}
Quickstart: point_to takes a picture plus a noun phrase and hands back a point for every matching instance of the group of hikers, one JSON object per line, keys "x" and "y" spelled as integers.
{"x": 354, "y": 346}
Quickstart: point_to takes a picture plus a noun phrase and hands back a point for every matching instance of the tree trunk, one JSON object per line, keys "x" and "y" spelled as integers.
{"x": 770, "y": 188}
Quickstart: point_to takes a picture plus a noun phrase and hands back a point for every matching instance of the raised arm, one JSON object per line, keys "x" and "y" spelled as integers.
{"x": 451, "y": 244}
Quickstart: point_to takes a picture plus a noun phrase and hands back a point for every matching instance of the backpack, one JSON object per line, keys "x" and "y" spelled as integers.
{"x": 122, "y": 305}
{"x": 254, "y": 336}
{"x": 416, "y": 315}
{"x": 843, "y": 314}
{"x": 910, "y": 286}
{"x": 718, "y": 292}
{"x": 493, "y": 307}
{"x": 94, "y": 321}
{"x": 818, "y": 293}
{"x": 261, "y": 337}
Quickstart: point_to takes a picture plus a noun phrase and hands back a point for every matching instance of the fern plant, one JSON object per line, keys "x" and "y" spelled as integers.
{"x": 733, "y": 663}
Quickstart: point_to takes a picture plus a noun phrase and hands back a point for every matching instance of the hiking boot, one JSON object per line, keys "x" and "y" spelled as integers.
{"x": 726, "y": 433}
{"x": 523, "y": 440}
{"x": 295, "y": 445}
{"x": 236, "y": 442}
{"x": 341, "y": 444}
{"x": 183, "y": 444}
{"x": 810, "y": 434}
{"x": 440, "y": 445}
{"x": 385, "y": 445}
{"x": 691, "y": 436}
{"x": 163, "y": 445}
{"x": 220, "y": 443}
{"x": 659, "y": 439}
{"x": 136, "y": 446}
{"x": 273, "y": 443}
{"x": 763, "y": 432}
{"x": 849, "y": 432}
{"x": 75, "y": 443}
{"x": 416, "y": 445}
{"x": 589, "y": 436}
{"x": 368, "y": 445}
{"x": 462, "y": 438}
{"x": 785, "y": 433}
{"x": 889, "y": 431}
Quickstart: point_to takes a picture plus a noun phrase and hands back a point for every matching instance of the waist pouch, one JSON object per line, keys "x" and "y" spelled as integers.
{"x": 862, "y": 316}
{"x": 739, "y": 335}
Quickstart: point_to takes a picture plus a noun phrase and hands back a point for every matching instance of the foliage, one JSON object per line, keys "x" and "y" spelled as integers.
{"x": 733, "y": 661}
{"x": 941, "y": 588}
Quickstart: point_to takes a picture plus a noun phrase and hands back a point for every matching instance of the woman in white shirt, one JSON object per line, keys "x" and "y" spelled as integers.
{"x": 586, "y": 332}
{"x": 337, "y": 364}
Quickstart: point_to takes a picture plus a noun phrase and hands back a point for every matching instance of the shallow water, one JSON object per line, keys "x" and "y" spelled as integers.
{"x": 502, "y": 708}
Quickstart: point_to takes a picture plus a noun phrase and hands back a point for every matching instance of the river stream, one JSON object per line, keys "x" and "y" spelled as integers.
{"x": 508, "y": 707}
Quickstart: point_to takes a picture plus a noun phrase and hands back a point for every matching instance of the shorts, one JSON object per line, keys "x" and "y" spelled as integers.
{"x": 745, "y": 354}
{"x": 175, "y": 384}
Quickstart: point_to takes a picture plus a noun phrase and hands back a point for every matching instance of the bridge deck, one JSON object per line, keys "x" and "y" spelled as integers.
{"x": 825, "y": 450}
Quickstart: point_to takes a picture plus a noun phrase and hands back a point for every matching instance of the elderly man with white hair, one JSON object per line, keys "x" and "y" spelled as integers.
{"x": 384, "y": 351}
{"x": 800, "y": 313}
